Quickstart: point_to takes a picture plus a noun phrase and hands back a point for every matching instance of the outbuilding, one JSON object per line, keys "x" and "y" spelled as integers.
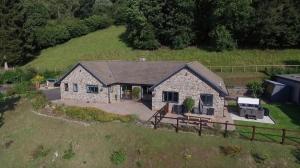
{"x": 250, "y": 108}
{"x": 276, "y": 91}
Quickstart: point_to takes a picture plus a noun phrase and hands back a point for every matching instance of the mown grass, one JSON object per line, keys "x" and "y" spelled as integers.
{"x": 107, "y": 45}
{"x": 94, "y": 145}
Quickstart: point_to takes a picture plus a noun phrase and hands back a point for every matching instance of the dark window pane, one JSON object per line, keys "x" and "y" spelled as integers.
{"x": 170, "y": 97}
{"x": 75, "y": 87}
{"x": 66, "y": 87}
{"x": 207, "y": 99}
{"x": 92, "y": 89}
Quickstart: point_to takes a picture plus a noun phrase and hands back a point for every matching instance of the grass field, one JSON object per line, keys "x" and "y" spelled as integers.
{"x": 107, "y": 45}
{"x": 24, "y": 132}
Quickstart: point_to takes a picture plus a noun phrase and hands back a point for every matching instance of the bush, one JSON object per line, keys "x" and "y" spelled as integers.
{"x": 94, "y": 23}
{"x": 51, "y": 34}
{"x": 21, "y": 88}
{"x": 136, "y": 93}
{"x": 118, "y": 157}
{"x": 189, "y": 104}
{"x": 69, "y": 153}
{"x": 256, "y": 88}
{"x": 231, "y": 150}
{"x": 221, "y": 39}
{"x": 76, "y": 28}
{"x": 16, "y": 76}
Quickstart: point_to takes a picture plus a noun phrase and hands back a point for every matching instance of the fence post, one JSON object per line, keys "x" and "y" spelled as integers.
{"x": 226, "y": 126}
{"x": 155, "y": 122}
{"x": 200, "y": 129}
{"x": 177, "y": 125}
{"x": 253, "y": 133}
{"x": 221, "y": 69}
{"x": 255, "y": 68}
{"x": 244, "y": 68}
{"x": 232, "y": 69}
{"x": 283, "y": 136}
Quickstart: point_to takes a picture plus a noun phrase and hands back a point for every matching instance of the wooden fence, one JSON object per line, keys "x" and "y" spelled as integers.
{"x": 251, "y": 68}
{"x": 283, "y": 136}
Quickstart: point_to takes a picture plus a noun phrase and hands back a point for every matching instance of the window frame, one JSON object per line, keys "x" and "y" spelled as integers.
{"x": 96, "y": 91}
{"x": 66, "y": 87}
{"x": 75, "y": 90}
{"x": 171, "y": 96}
{"x": 204, "y": 103}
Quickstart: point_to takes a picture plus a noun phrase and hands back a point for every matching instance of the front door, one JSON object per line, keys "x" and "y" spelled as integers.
{"x": 126, "y": 91}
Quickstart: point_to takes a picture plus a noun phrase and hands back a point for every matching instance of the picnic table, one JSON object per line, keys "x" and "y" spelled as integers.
{"x": 198, "y": 117}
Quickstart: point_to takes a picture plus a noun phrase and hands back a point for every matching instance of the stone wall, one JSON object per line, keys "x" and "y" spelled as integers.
{"x": 187, "y": 85}
{"x": 81, "y": 77}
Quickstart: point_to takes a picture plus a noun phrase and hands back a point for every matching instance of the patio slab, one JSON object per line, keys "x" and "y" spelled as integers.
{"x": 265, "y": 120}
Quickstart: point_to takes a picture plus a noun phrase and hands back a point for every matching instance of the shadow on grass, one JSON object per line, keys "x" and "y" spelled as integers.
{"x": 6, "y": 105}
{"x": 292, "y": 111}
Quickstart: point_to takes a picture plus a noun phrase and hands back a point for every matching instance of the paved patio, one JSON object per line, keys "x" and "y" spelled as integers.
{"x": 265, "y": 120}
{"x": 124, "y": 107}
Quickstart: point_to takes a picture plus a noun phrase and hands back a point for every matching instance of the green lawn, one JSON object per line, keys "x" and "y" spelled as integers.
{"x": 23, "y": 132}
{"x": 285, "y": 115}
{"x": 107, "y": 45}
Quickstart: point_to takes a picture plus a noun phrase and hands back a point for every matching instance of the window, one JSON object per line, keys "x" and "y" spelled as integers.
{"x": 75, "y": 87}
{"x": 92, "y": 89}
{"x": 170, "y": 97}
{"x": 207, "y": 99}
{"x": 66, "y": 87}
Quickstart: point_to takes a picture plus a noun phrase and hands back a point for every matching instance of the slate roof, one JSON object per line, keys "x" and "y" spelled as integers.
{"x": 147, "y": 72}
{"x": 291, "y": 77}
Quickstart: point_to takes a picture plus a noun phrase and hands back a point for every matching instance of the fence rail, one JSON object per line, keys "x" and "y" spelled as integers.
{"x": 280, "y": 135}
{"x": 250, "y": 68}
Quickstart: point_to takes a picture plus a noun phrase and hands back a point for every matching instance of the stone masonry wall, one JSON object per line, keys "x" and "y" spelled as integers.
{"x": 81, "y": 77}
{"x": 187, "y": 85}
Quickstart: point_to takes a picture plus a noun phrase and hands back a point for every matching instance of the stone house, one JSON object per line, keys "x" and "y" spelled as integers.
{"x": 158, "y": 82}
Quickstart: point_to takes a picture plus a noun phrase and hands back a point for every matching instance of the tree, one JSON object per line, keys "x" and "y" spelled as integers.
{"x": 221, "y": 39}
{"x": 189, "y": 104}
{"x": 11, "y": 31}
{"x": 140, "y": 34}
{"x": 277, "y": 24}
{"x": 85, "y": 9}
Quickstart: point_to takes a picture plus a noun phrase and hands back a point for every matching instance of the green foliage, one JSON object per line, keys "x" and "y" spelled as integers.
{"x": 97, "y": 22}
{"x": 69, "y": 153}
{"x": 76, "y": 28}
{"x": 189, "y": 104}
{"x": 277, "y": 71}
{"x": 256, "y": 88}
{"x": 40, "y": 152}
{"x": 118, "y": 157}
{"x": 94, "y": 114}
{"x": 140, "y": 34}
{"x": 51, "y": 35}
{"x": 136, "y": 93}
{"x": 221, "y": 39}
{"x": 231, "y": 150}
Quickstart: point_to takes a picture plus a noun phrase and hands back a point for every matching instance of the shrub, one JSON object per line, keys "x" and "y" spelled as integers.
{"x": 221, "y": 39}
{"x": 136, "y": 93}
{"x": 118, "y": 157}
{"x": 69, "y": 153}
{"x": 76, "y": 28}
{"x": 95, "y": 22}
{"x": 40, "y": 151}
{"x": 256, "y": 88}
{"x": 18, "y": 75}
{"x": 189, "y": 104}
{"x": 21, "y": 88}
{"x": 51, "y": 35}
{"x": 231, "y": 150}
